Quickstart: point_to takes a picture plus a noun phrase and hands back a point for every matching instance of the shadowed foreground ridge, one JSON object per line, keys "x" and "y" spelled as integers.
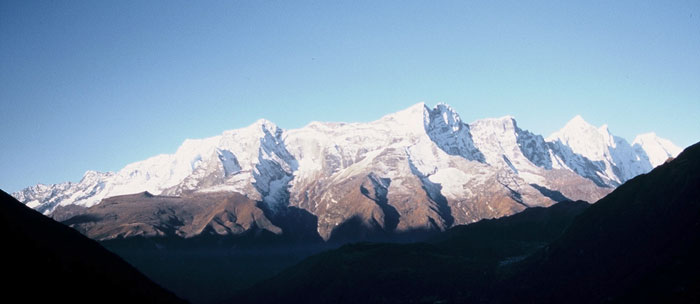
{"x": 638, "y": 244}
{"x": 47, "y": 261}
{"x": 641, "y": 243}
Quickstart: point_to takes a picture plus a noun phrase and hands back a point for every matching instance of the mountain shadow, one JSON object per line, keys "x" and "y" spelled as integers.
{"x": 45, "y": 261}
{"x": 434, "y": 192}
{"x": 298, "y": 225}
{"x": 552, "y": 194}
{"x": 354, "y": 229}
{"x": 380, "y": 188}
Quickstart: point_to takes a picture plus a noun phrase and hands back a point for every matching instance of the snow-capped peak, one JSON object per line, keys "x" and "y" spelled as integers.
{"x": 263, "y": 125}
{"x": 576, "y": 126}
{"x": 445, "y": 116}
{"x": 500, "y": 140}
{"x": 615, "y": 159}
{"x": 409, "y": 120}
{"x": 446, "y": 129}
{"x": 262, "y": 122}
{"x": 585, "y": 139}
{"x": 421, "y": 118}
{"x": 577, "y": 119}
{"x": 448, "y": 115}
{"x": 656, "y": 148}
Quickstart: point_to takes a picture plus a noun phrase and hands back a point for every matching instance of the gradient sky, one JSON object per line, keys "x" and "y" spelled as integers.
{"x": 100, "y": 84}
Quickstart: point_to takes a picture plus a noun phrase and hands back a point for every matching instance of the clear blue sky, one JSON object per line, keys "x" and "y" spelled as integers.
{"x": 99, "y": 84}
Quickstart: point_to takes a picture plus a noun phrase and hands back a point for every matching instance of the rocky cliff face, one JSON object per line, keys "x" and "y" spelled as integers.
{"x": 418, "y": 169}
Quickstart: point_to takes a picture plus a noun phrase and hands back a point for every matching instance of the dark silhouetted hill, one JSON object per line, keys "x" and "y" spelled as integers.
{"x": 45, "y": 261}
{"x": 640, "y": 244}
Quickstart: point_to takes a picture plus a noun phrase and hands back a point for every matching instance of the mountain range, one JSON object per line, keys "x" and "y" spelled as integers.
{"x": 420, "y": 169}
